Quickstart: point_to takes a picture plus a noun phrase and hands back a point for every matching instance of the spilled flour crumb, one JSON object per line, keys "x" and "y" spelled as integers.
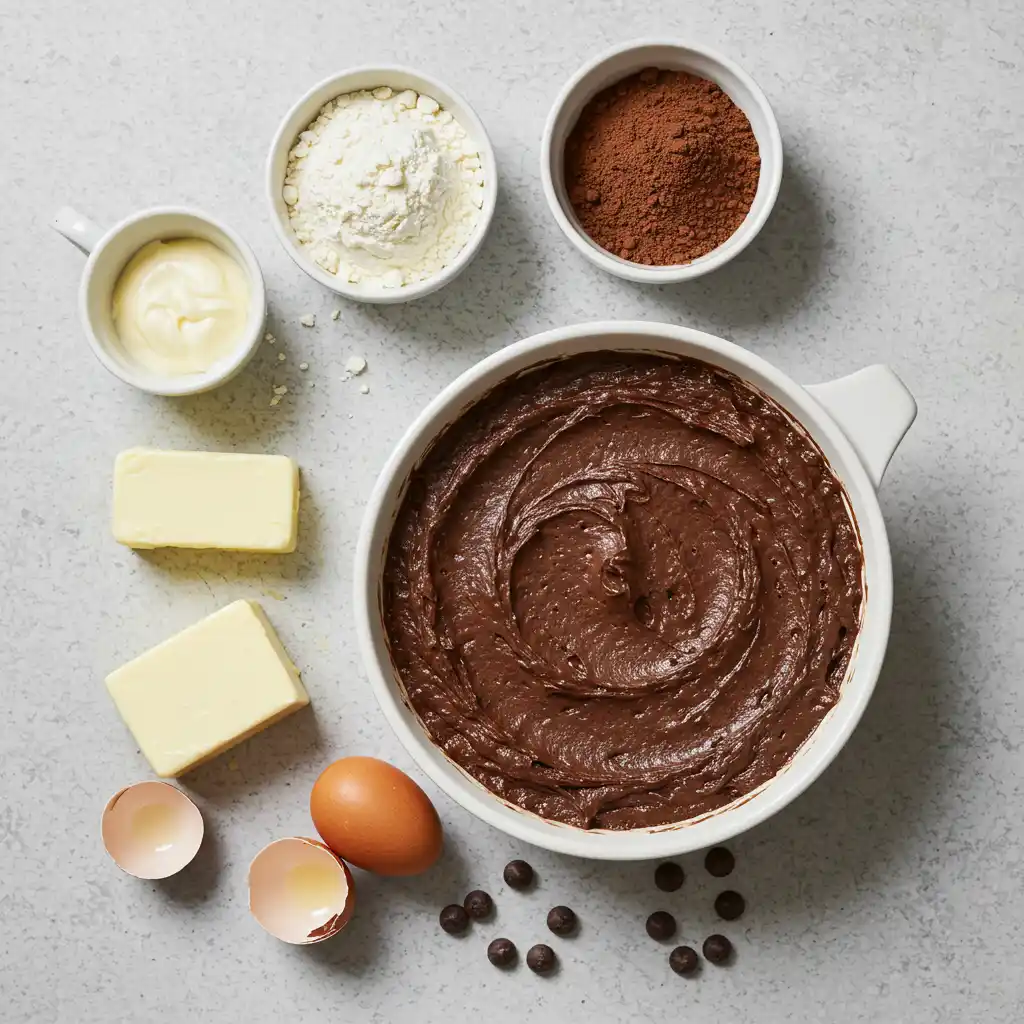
{"x": 354, "y": 366}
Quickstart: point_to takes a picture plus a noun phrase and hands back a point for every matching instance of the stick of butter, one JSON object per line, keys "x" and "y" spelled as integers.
{"x": 205, "y": 500}
{"x": 206, "y": 689}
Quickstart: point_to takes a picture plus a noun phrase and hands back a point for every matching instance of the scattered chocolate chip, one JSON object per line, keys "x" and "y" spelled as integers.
{"x": 717, "y": 949}
{"x": 719, "y": 862}
{"x": 668, "y": 877}
{"x": 729, "y": 905}
{"x": 561, "y": 920}
{"x": 661, "y": 925}
{"x": 540, "y": 959}
{"x": 454, "y": 919}
{"x": 518, "y": 874}
{"x": 683, "y": 960}
{"x": 478, "y": 904}
{"x": 502, "y": 952}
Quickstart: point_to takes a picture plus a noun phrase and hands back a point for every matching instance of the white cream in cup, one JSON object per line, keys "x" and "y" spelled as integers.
{"x": 110, "y": 253}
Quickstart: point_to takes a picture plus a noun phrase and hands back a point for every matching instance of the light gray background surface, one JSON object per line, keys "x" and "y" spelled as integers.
{"x": 890, "y": 892}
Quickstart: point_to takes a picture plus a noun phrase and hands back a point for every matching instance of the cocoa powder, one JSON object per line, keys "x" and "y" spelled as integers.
{"x": 661, "y": 167}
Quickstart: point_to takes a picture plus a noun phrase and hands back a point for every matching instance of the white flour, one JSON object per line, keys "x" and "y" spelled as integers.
{"x": 383, "y": 188}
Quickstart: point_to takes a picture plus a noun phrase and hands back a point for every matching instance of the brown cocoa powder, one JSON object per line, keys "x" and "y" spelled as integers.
{"x": 661, "y": 167}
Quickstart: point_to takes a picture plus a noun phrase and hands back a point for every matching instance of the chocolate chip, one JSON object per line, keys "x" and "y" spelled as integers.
{"x": 502, "y": 952}
{"x": 719, "y": 862}
{"x": 661, "y": 925}
{"x": 541, "y": 959}
{"x": 683, "y": 960}
{"x": 729, "y": 905}
{"x": 454, "y": 919}
{"x": 668, "y": 877}
{"x": 518, "y": 874}
{"x": 561, "y": 920}
{"x": 717, "y": 949}
{"x": 478, "y": 904}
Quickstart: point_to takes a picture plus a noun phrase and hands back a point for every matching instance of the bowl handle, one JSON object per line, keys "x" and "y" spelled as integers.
{"x": 874, "y": 410}
{"x": 77, "y": 229}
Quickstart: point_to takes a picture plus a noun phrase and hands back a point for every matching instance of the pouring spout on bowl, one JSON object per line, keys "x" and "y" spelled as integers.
{"x": 874, "y": 409}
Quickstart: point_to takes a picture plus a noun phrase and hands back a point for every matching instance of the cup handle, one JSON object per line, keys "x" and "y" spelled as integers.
{"x": 77, "y": 229}
{"x": 874, "y": 409}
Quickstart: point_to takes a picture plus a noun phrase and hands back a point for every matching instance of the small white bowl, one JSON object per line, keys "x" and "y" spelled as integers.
{"x": 304, "y": 113}
{"x": 108, "y": 253}
{"x": 616, "y": 64}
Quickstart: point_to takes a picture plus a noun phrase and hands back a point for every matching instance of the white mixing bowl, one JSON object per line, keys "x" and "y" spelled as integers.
{"x": 857, "y": 422}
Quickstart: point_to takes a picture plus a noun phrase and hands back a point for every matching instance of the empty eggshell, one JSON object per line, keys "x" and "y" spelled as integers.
{"x": 151, "y": 829}
{"x": 299, "y": 891}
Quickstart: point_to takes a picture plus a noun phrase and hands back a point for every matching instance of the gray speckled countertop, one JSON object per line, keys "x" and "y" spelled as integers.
{"x": 892, "y": 891}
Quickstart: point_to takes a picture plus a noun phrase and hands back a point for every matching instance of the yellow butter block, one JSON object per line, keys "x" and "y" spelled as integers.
{"x": 206, "y": 689}
{"x": 166, "y": 499}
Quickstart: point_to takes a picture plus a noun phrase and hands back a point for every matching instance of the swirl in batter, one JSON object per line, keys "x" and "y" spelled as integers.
{"x": 622, "y": 590}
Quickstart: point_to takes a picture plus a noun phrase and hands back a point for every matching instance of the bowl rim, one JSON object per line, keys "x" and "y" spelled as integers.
{"x": 771, "y": 161}
{"x": 718, "y": 826}
{"x": 284, "y": 138}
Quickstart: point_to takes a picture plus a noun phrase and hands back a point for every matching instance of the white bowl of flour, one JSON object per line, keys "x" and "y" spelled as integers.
{"x": 382, "y": 184}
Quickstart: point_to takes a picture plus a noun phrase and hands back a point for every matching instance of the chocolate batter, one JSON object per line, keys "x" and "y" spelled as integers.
{"x": 622, "y": 590}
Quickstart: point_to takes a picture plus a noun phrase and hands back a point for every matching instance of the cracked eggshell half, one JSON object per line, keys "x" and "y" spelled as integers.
{"x": 151, "y": 829}
{"x": 299, "y": 891}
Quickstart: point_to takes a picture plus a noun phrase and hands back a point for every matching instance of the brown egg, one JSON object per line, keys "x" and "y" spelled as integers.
{"x": 374, "y": 816}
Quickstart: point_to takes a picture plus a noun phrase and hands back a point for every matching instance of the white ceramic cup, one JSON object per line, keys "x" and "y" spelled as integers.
{"x": 304, "y": 112}
{"x": 611, "y": 67}
{"x": 857, "y": 421}
{"x": 109, "y": 251}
